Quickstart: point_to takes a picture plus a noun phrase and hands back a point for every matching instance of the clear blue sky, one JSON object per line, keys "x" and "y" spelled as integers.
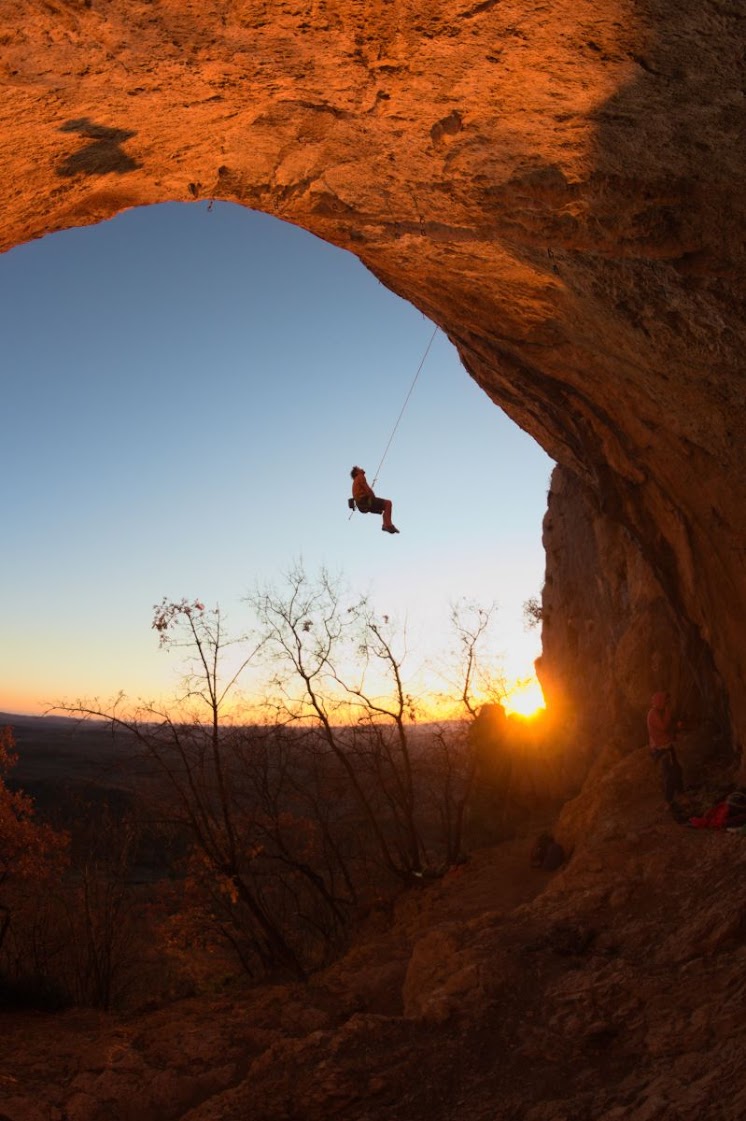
{"x": 184, "y": 393}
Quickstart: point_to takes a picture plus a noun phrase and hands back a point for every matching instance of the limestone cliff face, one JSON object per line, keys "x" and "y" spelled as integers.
{"x": 559, "y": 186}
{"x": 611, "y": 638}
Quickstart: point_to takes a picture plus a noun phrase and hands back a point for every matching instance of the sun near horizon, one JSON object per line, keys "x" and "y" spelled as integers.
{"x": 526, "y": 699}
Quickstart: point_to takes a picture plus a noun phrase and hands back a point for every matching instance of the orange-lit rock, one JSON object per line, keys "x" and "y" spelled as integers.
{"x": 560, "y": 186}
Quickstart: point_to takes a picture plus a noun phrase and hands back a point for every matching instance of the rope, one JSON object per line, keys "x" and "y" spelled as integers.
{"x": 406, "y": 402}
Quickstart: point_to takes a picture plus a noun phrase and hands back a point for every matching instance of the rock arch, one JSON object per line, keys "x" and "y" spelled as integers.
{"x": 559, "y": 186}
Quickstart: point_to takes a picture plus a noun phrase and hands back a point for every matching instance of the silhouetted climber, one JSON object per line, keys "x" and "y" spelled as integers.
{"x": 661, "y": 739}
{"x": 366, "y": 502}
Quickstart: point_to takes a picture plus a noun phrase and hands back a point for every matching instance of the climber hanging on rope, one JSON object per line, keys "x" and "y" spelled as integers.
{"x": 364, "y": 500}
{"x": 363, "y": 496}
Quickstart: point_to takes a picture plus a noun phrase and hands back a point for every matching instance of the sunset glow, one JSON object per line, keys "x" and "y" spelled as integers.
{"x": 527, "y": 700}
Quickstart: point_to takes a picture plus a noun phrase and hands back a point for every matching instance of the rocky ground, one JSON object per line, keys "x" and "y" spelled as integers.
{"x": 612, "y": 989}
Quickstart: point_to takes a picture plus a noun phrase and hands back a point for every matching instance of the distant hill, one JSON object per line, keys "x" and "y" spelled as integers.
{"x": 60, "y": 757}
{"x": 19, "y": 720}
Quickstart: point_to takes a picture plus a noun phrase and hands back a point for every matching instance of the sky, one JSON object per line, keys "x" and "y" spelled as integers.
{"x": 184, "y": 393}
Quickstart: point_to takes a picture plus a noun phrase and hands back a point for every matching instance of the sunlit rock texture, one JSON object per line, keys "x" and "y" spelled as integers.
{"x": 559, "y": 186}
{"x": 611, "y": 638}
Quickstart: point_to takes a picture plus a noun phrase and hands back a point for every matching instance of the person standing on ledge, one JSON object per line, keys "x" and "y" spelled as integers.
{"x": 661, "y": 739}
{"x": 366, "y": 502}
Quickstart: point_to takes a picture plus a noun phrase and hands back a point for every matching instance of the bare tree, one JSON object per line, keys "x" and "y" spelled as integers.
{"x": 336, "y": 672}
{"x": 333, "y": 793}
{"x": 339, "y": 671}
{"x": 100, "y": 913}
{"x": 220, "y": 782}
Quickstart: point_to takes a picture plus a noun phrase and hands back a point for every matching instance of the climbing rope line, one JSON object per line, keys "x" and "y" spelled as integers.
{"x": 406, "y": 402}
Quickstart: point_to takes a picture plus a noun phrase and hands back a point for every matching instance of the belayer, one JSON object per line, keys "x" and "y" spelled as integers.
{"x": 366, "y": 502}
{"x": 662, "y": 729}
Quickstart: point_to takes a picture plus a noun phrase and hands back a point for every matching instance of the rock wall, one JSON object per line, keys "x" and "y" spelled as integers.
{"x": 559, "y": 186}
{"x": 611, "y": 638}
